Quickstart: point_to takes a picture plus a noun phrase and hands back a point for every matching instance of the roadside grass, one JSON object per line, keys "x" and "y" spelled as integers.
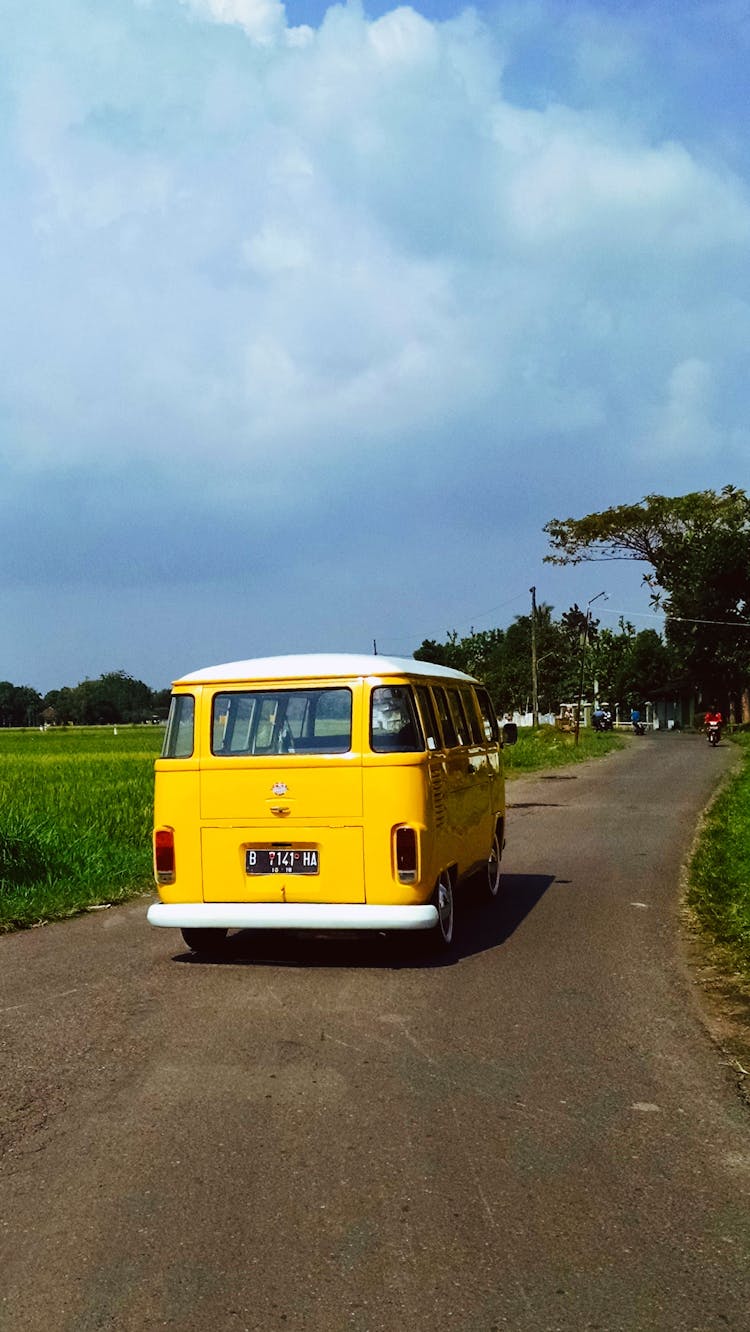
{"x": 75, "y": 819}
{"x": 719, "y": 874}
{"x": 547, "y": 747}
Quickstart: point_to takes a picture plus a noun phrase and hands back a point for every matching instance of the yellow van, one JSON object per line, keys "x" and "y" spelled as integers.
{"x": 325, "y": 792}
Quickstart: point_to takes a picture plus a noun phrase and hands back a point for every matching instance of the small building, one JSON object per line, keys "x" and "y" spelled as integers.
{"x": 674, "y": 705}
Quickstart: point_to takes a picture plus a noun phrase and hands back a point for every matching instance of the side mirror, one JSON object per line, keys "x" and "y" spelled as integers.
{"x": 510, "y": 733}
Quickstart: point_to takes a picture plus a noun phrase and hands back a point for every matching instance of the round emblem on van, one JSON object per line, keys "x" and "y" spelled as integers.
{"x": 279, "y": 788}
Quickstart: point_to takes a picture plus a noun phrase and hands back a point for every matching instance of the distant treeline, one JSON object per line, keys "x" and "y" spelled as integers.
{"x": 114, "y": 697}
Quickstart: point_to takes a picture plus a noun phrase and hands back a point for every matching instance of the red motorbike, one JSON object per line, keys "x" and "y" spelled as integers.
{"x": 713, "y": 731}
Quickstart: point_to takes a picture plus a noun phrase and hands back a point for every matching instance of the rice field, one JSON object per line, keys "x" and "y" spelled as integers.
{"x": 75, "y": 819}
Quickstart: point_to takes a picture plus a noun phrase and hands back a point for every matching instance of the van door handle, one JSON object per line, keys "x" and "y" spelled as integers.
{"x": 280, "y": 809}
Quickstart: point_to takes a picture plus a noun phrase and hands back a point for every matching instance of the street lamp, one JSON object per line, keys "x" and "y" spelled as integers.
{"x": 589, "y": 604}
{"x": 537, "y": 664}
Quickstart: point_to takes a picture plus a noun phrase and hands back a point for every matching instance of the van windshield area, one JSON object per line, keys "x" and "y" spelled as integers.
{"x": 281, "y": 721}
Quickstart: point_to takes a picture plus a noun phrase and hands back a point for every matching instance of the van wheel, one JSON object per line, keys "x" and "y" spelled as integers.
{"x": 493, "y": 867}
{"x": 205, "y": 941}
{"x": 444, "y": 903}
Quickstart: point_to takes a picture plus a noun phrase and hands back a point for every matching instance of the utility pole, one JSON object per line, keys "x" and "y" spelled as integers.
{"x": 584, "y": 644}
{"x": 534, "y": 680}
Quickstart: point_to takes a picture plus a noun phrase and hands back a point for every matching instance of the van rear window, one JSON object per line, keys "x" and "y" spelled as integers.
{"x": 282, "y": 721}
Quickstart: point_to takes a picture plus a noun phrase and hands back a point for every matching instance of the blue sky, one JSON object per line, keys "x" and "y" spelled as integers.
{"x": 313, "y": 316}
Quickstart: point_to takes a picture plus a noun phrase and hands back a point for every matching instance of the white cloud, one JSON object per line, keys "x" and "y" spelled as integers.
{"x": 367, "y": 299}
{"x": 573, "y": 176}
{"x": 264, "y": 21}
{"x": 403, "y": 37}
{"x": 273, "y": 250}
{"x": 684, "y": 427}
{"x": 214, "y": 243}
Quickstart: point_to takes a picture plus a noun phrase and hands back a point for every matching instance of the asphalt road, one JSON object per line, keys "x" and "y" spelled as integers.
{"x": 537, "y": 1135}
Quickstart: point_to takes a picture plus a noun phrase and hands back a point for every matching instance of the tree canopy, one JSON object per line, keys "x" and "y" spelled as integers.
{"x": 698, "y": 549}
{"x": 659, "y": 530}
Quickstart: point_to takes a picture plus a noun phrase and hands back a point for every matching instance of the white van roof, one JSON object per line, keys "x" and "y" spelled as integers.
{"x": 318, "y": 665}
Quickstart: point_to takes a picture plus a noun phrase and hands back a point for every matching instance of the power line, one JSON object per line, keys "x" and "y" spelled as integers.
{"x": 729, "y": 624}
{"x": 620, "y": 614}
{"x": 637, "y": 615}
{"x": 470, "y": 622}
{"x": 677, "y": 619}
{"x": 481, "y": 614}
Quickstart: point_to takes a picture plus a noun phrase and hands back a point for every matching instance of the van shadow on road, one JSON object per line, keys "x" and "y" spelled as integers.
{"x": 481, "y": 924}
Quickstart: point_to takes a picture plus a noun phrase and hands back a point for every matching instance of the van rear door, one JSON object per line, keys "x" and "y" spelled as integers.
{"x": 281, "y": 797}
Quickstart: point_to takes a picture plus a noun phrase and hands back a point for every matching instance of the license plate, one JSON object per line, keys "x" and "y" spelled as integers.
{"x": 281, "y": 860}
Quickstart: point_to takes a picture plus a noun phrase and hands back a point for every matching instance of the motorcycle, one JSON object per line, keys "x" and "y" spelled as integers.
{"x": 713, "y": 731}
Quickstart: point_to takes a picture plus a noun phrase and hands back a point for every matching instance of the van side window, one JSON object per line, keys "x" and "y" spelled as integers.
{"x": 180, "y": 734}
{"x": 489, "y": 720}
{"x": 282, "y": 721}
{"x": 446, "y": 721}
{"x": 429, "y": 717}
{"x": 459, "y": 718}
{"x": 470, "y": 708}
{"x": 394, "y": 725}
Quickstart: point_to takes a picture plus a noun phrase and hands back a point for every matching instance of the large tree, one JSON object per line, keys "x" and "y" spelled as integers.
{"x": 20, "y": 705}
{"x": 698, "y": 550}
{"x": 114, "y": 697}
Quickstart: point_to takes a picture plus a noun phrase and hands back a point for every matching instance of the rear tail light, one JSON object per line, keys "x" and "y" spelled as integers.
{"x": 406, "y": 854}
{"x": 164, "y": 855}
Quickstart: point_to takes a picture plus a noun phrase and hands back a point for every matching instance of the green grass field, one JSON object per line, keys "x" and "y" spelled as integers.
{"x": 75, "y": 819}
{"x": 719, "y": 881}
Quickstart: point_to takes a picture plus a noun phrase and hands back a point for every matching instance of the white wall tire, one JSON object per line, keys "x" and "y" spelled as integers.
{"x": 445, "y": 927}
{"x": 493, "y": 866}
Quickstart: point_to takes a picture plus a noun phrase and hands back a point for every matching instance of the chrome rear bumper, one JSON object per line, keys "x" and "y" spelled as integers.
{"x": 290, "y": 916}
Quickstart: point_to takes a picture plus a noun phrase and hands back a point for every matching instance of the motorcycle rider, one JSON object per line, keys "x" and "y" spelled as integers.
{"x": 713, "y": 722}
